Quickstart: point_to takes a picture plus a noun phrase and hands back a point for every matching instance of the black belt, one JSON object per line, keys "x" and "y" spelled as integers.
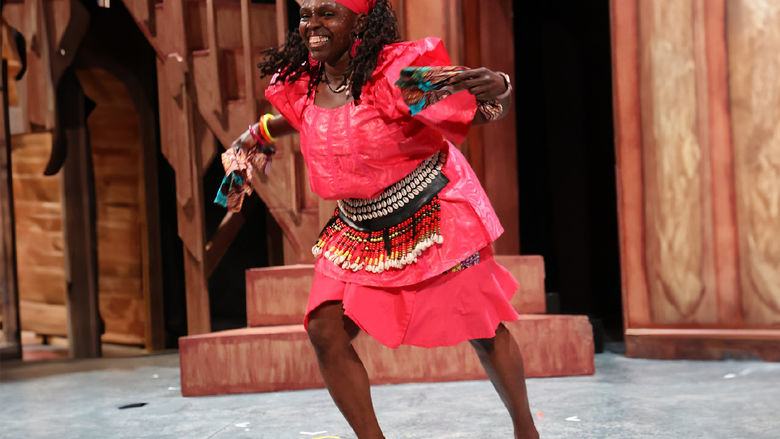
{"x": 402, "y": 214}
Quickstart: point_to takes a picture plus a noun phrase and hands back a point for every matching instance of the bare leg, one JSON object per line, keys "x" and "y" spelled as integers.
{"x": 503, "y": 363}
{"x": 331, "y": 333}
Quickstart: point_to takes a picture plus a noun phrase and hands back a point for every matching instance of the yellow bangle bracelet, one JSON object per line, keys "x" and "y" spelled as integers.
{"x": 264, "y": 125}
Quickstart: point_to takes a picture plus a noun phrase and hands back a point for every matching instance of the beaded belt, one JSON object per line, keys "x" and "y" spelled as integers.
{"x": 390, "y": 230}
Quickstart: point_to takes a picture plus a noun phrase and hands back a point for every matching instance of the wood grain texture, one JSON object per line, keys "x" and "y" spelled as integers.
{"x": 753, "y": 41}
{"x": 39, "y": 236}
{"x": 44, "y": 318}
{"x": 721, "y": 160}
{"x": 79, "y": 225}
{"x": 698, "y": 344}
{"x": 500, "y": 138}
{"x": 13, "y": 61}
{"x": 115, "y": 141}
{"x": 434, "y": 18}
{"x": 10, "y": 336}
{"x": 279, "y": 295}
{"x": 672, "y": 162}
{"x": 698, "y": 179}
{"x": 14, "y": 15}
{"x": 628, "y": 160}
{"x": 282, "y": 358}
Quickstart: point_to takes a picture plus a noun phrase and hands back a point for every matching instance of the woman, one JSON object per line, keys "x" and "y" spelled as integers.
{"x": 406, "y": 257}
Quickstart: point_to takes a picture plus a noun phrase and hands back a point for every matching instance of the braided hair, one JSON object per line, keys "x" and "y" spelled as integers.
{"x": 291, "y": 60}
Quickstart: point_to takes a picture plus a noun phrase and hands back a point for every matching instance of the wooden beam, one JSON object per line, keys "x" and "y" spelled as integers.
{"x": 249, "y": 65}
{"x": 154, "y": 325}
{"x": 226, "y": 232}
{"x": 281, "y": 21}
{"x": 472, "y": 56}
{"x": 192, "y": 222}
{"x": 9, "y": 294}
{"x": 211, "y": 33}
{"x": 703, "y": 344}
{"x": 721, "y": 163}
{"x": 482, "y": 23}
{"x": 182, "y": 131}
{"x": 79, "y": 220}
{"x": 628, "y": 160}
{"x": 707, "y": 333}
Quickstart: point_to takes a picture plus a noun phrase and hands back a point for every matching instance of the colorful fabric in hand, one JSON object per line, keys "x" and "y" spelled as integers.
{"x": 239, "y": 167}
{"x": 422, "y": 87}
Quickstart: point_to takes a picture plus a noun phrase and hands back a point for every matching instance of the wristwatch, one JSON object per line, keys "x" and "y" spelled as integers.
{"x": 508, "y": 84}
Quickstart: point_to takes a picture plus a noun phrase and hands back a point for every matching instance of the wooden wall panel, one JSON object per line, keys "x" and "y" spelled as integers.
{"x": 698, "y": 166}
{"x": 433, "y": 18}
{"x": 39, "y": 236}
{"x": 673, "y": 165}
{"x": 115, "y": 142}
{"x": 754, "y": 66}
{"x": 500, "y": 138}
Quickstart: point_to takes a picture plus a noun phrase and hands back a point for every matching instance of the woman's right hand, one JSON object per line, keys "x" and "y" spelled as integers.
{"x": 246, "y": 141}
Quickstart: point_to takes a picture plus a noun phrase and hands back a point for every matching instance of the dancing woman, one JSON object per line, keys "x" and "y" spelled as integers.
{"x": 406, "y": 257}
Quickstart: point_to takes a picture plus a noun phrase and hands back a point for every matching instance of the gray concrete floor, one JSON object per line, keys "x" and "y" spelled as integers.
{"x": 627, "y": 398}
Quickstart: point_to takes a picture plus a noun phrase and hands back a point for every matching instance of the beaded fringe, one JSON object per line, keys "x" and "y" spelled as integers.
{"x": 390, "y": 248}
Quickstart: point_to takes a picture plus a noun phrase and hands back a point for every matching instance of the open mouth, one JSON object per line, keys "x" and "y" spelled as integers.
{"x": 317, "y": 41}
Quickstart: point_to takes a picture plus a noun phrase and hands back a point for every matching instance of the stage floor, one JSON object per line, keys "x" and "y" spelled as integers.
{"x": 626, "y": 399}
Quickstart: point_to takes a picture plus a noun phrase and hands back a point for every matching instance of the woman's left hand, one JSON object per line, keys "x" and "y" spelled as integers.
{"x": 483, "y": 83}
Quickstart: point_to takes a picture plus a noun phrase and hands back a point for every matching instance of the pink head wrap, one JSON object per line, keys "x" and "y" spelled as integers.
{"x": 358, "y": 6}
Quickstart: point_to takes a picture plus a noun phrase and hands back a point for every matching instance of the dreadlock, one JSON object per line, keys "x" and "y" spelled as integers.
{"x": 291, "y": 60}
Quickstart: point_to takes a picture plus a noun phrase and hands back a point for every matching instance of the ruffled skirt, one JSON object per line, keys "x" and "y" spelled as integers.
{"x": 443, "y": 310}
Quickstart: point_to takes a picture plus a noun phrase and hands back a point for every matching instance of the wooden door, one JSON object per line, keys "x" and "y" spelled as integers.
{"x": 697, "y": 109}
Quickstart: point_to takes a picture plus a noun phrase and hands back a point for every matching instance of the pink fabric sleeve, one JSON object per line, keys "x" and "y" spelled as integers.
{"x": 289, "y": 99}
{"x": 451, "y": 116}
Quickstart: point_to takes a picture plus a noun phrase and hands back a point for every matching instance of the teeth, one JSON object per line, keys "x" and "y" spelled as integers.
{"x": 317, "y": 39}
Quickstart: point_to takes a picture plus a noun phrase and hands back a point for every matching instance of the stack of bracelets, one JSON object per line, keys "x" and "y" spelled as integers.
{"x": 264, "y": 139}
{"x": 240, "y": 165}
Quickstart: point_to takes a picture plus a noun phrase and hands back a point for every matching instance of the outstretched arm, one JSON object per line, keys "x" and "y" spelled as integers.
{"x": 278, "y": 127}
{"x": 485, "y": 85}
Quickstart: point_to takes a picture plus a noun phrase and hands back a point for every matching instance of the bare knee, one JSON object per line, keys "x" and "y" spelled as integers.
{"x": 486, "y": 346}
{"x": 329, "y": 328}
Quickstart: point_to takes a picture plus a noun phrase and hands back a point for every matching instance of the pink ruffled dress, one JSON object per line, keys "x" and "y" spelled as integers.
{"x": 358, "y": 150}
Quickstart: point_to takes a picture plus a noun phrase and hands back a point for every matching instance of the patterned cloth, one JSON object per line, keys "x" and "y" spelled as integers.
{"x": 424, "y": 86}
{"x": 468, "y": 262}
{"x": 240, "y": 165}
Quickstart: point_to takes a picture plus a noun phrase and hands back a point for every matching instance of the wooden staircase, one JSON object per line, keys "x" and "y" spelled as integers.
{"x": 274, "y": 352}
{"x": 209, "y": 91}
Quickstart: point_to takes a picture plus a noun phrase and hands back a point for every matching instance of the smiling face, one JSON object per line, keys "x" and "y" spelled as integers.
{"x": 326, "y": 28}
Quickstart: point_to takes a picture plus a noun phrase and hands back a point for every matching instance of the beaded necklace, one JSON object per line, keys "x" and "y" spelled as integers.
{"x": 341, "y": 88}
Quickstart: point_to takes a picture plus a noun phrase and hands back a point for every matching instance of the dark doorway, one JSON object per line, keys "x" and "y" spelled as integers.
{"x": 566, "y": 158}
{"x": 132, "y": 60}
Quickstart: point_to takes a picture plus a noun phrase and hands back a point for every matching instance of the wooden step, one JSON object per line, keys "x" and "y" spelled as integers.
{"x": 276, "y": 358}
{"x": 278, "y": 295}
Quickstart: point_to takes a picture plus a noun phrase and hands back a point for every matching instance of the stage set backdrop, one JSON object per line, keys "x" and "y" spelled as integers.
{"x": 696, "y": 150}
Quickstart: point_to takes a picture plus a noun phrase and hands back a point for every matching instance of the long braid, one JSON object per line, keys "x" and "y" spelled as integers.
{"x": 379, "y": 28}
